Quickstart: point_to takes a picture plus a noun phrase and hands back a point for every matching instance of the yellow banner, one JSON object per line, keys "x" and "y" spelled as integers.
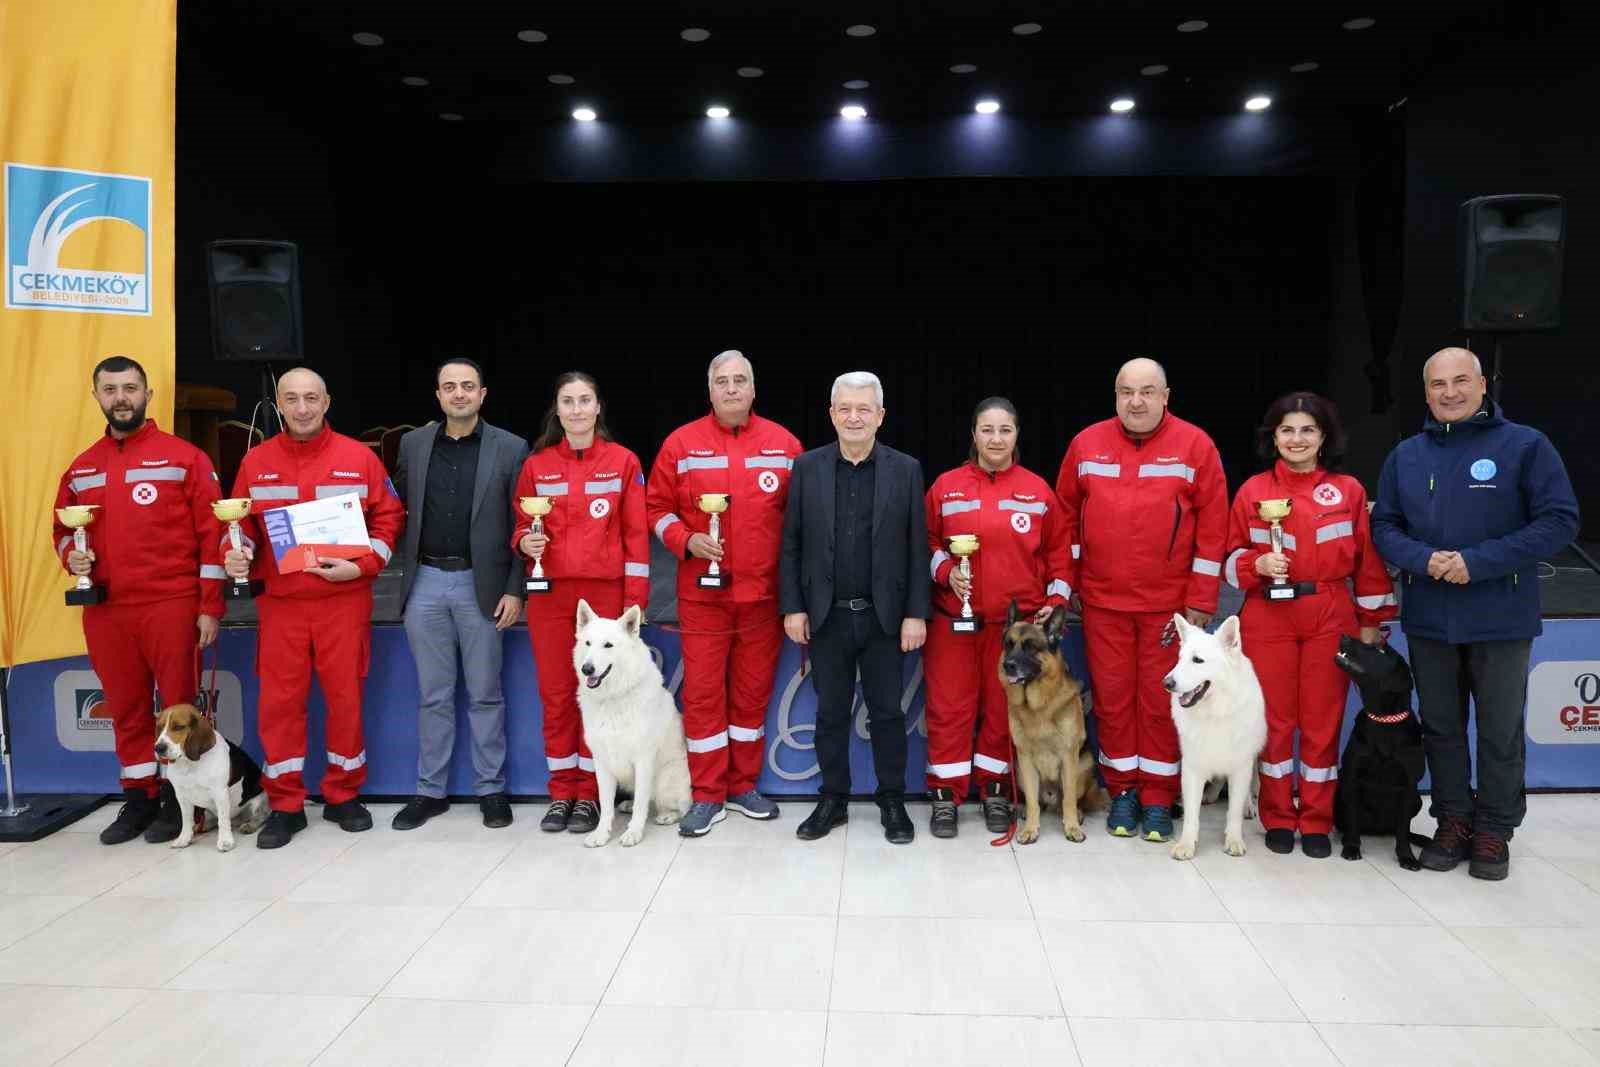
{"x": 86, "y": 144}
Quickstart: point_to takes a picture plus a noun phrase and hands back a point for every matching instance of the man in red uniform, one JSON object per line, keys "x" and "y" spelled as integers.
{"x": 1147, "y": 498}
{"x": 732, "y": 633}
{"x": 320, "y": 616}
{"x": 153, "y": 546}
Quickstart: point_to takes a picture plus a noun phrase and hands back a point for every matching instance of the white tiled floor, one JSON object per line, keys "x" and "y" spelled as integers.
{"x": 458, "y": 945}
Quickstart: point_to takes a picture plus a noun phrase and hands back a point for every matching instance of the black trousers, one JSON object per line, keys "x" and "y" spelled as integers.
{"x": 847, "y": 641}
{"x": 1495, "y": 675}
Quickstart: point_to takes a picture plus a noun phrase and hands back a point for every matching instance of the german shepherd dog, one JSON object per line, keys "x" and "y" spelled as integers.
{"x": 1045, "y": 707}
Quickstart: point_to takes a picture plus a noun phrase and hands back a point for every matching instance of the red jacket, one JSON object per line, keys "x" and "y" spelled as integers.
{"x": 1326, "y": 537}
{"x": 596, "y": 525}
{"x": 751, "y": 464}
{"x": 1024, "y": 547}
{"x": 1149, "y": 518}
{"x": 154, "y": 537}
{"x": 282, "y": 471}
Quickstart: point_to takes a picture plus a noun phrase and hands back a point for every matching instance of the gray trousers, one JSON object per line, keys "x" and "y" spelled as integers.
{"x": 1495, "y": 675}
{"x": 442, "y": 617}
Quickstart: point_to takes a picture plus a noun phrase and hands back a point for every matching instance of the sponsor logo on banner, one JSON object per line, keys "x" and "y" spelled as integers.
{"x": 77, "y": 240}
{"x": 1564, "y": 702}
{"x": 83, "y": 716}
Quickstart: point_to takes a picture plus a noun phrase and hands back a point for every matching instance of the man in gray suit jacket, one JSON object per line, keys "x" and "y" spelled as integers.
{"x": 853, "y": 583}
{"x": 458, "y": 480}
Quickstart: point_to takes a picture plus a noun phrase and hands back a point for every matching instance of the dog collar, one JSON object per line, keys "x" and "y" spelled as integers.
{"x": 1399, "y": 716}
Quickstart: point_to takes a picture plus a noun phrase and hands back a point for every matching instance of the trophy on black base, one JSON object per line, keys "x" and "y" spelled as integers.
{"x": 77, "y": 518}
{"x": 713, "y": 504}
{"x": 231, "y": 510}
{"x": 1274, "y": 512}
{"x": 964, "y": 547}
{"x": 536, "y": 508}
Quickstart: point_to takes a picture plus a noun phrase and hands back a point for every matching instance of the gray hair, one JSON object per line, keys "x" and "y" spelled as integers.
{"x": 856, "y": 379}
{"x": 724, "y": 357}
{"x": 1477, "y": 364}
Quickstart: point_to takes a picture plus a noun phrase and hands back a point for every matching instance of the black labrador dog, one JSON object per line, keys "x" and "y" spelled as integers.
{"x": 1382, "y": 761}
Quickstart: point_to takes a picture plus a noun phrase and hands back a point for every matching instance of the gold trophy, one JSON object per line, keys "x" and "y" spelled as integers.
{"x": 713, "y": 504}
{"x": 230, "y": 510}
{"x": 1274, "y": 512}
{"x": 77, "y": 518}
{"x": 536, "y": 508}
{"x": 963, "y": 547}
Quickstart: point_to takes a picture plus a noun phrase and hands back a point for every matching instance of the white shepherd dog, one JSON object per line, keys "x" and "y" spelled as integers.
{"x": 1222, "y": 726}
{"x": 631, "y": 724}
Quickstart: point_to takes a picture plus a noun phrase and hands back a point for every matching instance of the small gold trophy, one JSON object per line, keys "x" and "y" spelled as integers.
{"x": 963, "y": 547}
{"x": 230, "y": 511}
{"x": 536, "y": 508}
{"x": 77, "y": 518}
{"x": 1274, "y": 512}
{"x": 713, "y": 504}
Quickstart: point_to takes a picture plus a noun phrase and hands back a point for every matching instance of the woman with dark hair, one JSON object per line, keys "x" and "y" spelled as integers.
{"x": 1024, "y": 555}
{"x": 592, "y": 545}
{"x": 1298, "y": 604}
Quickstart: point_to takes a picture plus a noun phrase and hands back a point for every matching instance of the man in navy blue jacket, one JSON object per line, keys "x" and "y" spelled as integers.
{"x": 1466, "y": 509}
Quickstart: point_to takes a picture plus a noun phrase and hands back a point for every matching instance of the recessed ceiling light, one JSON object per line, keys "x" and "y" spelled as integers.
{"x": 857, "y": 83}
{"x": 861, "y": 29}
{"x": 584, "y": 114}
{"x": 1153, "y": 69}
{"x": 986, "y": 107}
{"x": 853, "y": 111}
{"x": 450, "y": 116}
{"x": 561, "y": 79}
{"x": 1026, "y": 29}
{"x": 963, "y": 68}
{"x": 1258, "y": 103}
{"x": 750, "y": 72}
{"x": 695, "y": 34}
{"x": 717, "y": 111}
{"x": 1360, "y": 24}
{"x": 413, "y": 81}
{"x": 1304, "y": 68}
{"x": 1192, "y": 26}
{"x": 370, "y": 40}
{"x": 533, "y": 36}
{"x": 1121, "y": 105}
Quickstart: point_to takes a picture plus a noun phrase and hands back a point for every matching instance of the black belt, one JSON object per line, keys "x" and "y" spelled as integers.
{"x": 446, "y": 563}
{"x": 1300, "y": 588}
{"x": 859, "y": 603}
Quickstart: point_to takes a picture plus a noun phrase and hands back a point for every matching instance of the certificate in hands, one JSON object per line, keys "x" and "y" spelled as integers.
{"x": 331, "y": 526}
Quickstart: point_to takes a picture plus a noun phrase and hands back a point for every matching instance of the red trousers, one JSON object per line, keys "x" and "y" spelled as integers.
{"x": 131, "y": 646}
{"x": 332, "y": 633}
{"x": 1291, "y": 645}
{"x": 552, "y": 623}
{"x": 730, "y": 654}
{"x": 963, "y": 687}
{"x": 1133, "y": 712}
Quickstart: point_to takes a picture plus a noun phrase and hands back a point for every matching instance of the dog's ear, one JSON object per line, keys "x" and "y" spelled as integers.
{"x": 1228, "y": 634}
{"x": 1055, "y": 626}
{"x": 1180, "y": 624}
{"x": 585, "y": 613}
{"x": 631, "y": 619}
{"x": 1011, "y": 614}
{"x": 201, "y": 736}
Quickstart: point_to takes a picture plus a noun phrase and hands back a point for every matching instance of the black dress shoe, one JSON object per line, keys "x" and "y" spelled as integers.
{"x": 496, "y": 810}
{"x": 419, "y": 810}
{"x": 830, "y": 812}
{"x": 351, "y": 815}
{"x": 897, "y": 828}
{"x": 279, "y": 828}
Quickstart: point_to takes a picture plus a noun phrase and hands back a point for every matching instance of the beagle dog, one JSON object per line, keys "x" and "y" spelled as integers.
{"x": 209, "y": 773}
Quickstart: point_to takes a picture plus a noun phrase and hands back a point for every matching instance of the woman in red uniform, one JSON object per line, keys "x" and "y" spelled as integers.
{"x": 1298, "y": 603}
{"x": 1024, "y": 554}
{"x": 594, "y": 546}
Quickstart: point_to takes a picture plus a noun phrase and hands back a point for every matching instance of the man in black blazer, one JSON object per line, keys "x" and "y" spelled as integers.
{"x": 854, "y": 585}
{"x": 460, "y": 588}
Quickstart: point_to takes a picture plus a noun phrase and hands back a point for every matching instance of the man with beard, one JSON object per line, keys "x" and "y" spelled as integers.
{"x": 155, "y": 548}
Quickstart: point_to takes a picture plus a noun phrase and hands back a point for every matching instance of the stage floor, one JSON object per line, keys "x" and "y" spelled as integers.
{"x": 459, "y": 945}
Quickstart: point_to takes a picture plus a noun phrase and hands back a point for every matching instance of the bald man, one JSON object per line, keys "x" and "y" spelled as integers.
{"x": 317, "y": 617}
{"x": 1466, "y": 509}
{"x": 1146, "y": 502}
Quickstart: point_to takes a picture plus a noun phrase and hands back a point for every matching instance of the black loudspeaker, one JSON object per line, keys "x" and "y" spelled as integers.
{"x": 255, "y": 300}
{"x": 1511, "y": 252}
